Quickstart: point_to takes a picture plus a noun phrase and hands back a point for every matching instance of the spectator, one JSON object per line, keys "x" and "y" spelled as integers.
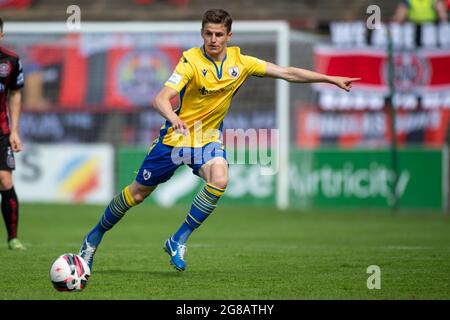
{"x": 421, "y": 11}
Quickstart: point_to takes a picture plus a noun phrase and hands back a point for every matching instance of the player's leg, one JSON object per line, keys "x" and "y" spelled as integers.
{"x": 129, "y": 197}
{"x": 10, "y": 209}
{"x": 10, "y": 203}
{"x": 215, "y": 173}
{"x": 154, "y": 170}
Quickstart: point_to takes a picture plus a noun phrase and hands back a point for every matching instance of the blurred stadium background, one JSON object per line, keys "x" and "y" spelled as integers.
{"x": 86, "y": 121}
{"x": 90, "y": 88}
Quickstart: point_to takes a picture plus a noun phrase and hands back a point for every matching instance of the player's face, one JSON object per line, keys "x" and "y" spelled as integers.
{"x": 215, "y": 38}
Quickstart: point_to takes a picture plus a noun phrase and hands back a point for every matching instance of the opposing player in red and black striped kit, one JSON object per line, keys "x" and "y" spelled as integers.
{"x": 11, "y": 81}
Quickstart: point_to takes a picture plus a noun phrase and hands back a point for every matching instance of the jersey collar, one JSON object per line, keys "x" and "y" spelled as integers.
{"x": 218, "y": 71}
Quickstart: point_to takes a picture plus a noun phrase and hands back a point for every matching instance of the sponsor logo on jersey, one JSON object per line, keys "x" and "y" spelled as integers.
{"x": 203, "y": 91}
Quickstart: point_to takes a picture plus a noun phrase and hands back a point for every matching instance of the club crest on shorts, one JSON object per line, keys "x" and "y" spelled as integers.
{"x": 5, "y": 69}
{"x": 233, "y": 71}
{"x": 10, "y": 161}
{"x": 146, "y": 174}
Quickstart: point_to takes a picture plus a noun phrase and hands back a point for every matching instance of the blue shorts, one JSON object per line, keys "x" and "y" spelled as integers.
{"x": 162, "y": 160}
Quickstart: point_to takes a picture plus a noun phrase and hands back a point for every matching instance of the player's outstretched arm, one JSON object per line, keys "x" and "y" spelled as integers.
{"x": 164, "y": 107}
{"x": 299, "y": 75}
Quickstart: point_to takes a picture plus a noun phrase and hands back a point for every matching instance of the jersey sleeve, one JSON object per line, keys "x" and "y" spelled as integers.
{"x": 182, "y": 74}
{"x": 256, "y": 67}
{"x": 17, "y": 79}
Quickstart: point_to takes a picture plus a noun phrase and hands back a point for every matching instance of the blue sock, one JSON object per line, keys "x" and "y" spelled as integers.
{"x": 203, "y": 204}
{"x": 95, "y": 236}
{"x": 183, "y": 233}
{"x": 115, "y": 211}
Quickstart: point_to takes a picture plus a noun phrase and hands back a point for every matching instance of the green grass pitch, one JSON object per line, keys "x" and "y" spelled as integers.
{"x": 239, "y": 253}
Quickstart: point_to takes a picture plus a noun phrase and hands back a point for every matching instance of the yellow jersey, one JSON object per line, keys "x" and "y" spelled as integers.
{"x": 206, "y": 88}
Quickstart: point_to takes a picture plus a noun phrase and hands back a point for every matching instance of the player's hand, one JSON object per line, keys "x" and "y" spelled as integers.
{"x": 179, "y": 126}
{"x": 344, "y": 82}
{"x": 14, "y": 140}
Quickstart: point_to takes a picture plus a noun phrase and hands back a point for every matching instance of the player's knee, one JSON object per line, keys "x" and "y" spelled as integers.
{"x": 220, "y": 182}
{"x": 139, "y": 197}
{"x": 6, "y": 186}
{"x": 6, "y": 183}
{"x": 139, "y": 192}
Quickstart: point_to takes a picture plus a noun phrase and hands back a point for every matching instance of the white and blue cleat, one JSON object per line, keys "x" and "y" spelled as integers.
{"x": 87, "y": 252}
{"x": 176, "y": 252}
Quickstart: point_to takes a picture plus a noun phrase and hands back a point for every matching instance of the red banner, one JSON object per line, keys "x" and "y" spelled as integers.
{"x": 360, "y": 118}
{"x": 73, "y": 81}
{"x": 423, "y": 70}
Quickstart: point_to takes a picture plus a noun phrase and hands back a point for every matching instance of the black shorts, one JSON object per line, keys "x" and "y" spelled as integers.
{"x": 7, "y": 161}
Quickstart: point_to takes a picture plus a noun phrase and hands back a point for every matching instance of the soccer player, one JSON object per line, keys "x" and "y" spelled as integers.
{"x": 11, "y": 81}
{"x": 205, "y": 79}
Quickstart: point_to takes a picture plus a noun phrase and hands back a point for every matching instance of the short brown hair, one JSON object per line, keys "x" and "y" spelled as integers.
{"x": 217, "y": 16}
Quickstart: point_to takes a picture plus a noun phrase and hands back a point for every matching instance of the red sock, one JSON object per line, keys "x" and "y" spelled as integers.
{"x": 10, "y": 211}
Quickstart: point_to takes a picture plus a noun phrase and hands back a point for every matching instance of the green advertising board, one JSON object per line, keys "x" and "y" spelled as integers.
{"x": 318, "y": 178}
{"x": 338, "y": 178}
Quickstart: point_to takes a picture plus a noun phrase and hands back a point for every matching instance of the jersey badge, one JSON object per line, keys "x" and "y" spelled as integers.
{"x": 233, "y": 71}
{"x": 5, "y": 69}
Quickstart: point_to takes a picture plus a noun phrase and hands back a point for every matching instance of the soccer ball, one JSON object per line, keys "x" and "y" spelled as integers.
{"x": 69, "y": 272}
